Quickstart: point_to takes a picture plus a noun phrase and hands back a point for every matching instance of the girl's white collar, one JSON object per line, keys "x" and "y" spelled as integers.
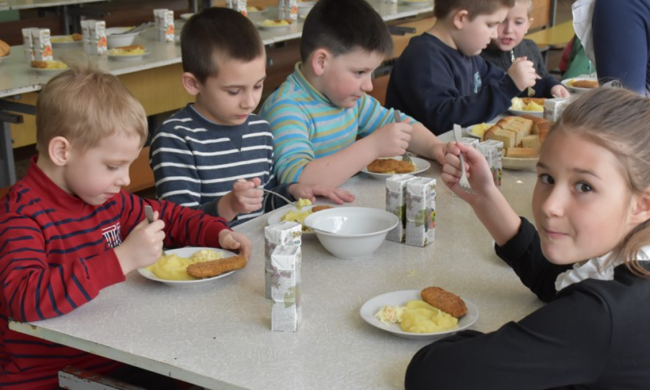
{"x": 596, "y": 268}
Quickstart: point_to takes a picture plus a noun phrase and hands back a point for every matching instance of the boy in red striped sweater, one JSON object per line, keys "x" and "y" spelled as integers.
{"x": 68, "y": 229}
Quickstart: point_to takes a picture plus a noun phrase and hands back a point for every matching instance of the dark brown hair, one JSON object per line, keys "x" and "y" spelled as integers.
{"x": 474, "y": 8}
{"x": 341, "y": 26}
{"x": 218, "y": 33}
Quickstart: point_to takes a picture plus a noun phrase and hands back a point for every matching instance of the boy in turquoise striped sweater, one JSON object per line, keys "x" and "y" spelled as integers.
{"x": 325, "y": 125}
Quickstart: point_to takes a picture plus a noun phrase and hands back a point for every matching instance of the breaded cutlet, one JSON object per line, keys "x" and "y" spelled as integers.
{"x": 208, "y": 269}
{"x": 316, "y": 209}
{"x": 385, "y": 165}
{"x": 444, "y": 300}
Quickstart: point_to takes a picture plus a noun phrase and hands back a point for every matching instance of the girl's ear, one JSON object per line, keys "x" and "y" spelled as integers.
{"x": 58, "y": 150}
{"x": 460, "y": 18}
{"x": 318, "y": 61}
{"x": 190, "y": 83}
{"x": 641, "y": 208}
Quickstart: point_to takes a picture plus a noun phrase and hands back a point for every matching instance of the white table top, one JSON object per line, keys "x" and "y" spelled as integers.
{"x": 17, "y": 77}
{"x": 219, "y": 335}
{"x": 29, "y": 4}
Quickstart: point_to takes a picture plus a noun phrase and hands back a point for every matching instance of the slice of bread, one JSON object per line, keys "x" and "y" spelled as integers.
{"x": 540, "y": 126}
{"x": 521, "y": 152}
{"x": 506, "y": 136}
{"x": 521, "y": 126}
{"x": 531, "y": 141}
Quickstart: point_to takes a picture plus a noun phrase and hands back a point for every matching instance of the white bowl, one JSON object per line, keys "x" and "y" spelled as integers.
{"x": 351, "y": 232}
{"x": 119, "y": 40}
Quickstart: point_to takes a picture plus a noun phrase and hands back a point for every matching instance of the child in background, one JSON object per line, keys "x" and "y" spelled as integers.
{"x": 441, "y": 79}
{"x": 326, "y": 127}
{"x": 68, "y": 229}
{"x": 510, "y": 45}
{"x": 588, "y": 258}
{"x": 213, "y": 154}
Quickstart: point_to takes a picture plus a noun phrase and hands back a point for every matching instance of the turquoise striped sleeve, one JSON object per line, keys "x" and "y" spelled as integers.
{"x": 372, "y": 115}
{"x": 293, "y": 148}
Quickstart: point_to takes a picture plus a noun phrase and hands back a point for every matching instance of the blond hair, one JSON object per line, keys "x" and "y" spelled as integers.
{"x": 528, "y": 4}
{"x": 619, "y": 121}
{"x": 85, "y": 105}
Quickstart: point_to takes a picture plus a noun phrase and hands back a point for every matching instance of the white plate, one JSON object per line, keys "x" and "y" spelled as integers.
{"x": 132, "y": 57}
{"x": 276, "y": 216}
{"x": 400, "y": 298}
{"x": 521, "y": 112}
{"x": 187, "y": 252}
{"x": 519, "y": 164}
{"x": 421, "y": 165}
{"x": 64, "y": 44}
{"x": 4, "y": 57}
{"x": 186, "y": 16}
{"x": 567, "y": 84}
{"x": 469, "y": 132}
{"x": 49, "y": 72}
{"x": 263, "y": 27}
{"x": 259, "y": 11}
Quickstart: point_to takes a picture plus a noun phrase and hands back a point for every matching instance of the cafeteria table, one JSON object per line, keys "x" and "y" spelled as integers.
{"x": 218, "y": 335}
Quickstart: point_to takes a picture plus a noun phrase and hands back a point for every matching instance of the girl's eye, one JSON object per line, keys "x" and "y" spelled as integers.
{"x": 112, "y": 168}
{"x": 546, "y": 179}
{"x": 259, "y": 86}
{"x": 233, "y": 93}
{"x": 583, "y": 187}
{"x": 360, "y": 73}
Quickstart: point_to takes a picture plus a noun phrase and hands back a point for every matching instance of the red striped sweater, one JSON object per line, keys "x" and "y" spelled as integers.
{"x": 56, "y": 253}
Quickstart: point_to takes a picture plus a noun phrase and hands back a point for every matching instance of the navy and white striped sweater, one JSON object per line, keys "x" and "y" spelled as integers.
{"x": 195, "y": 161}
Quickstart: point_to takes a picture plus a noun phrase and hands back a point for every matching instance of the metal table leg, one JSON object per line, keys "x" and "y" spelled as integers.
{"x": 7, "y": 167}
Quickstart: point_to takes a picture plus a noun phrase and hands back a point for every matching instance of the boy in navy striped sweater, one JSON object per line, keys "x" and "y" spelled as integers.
{"x": 68, "y": 229}
{"x": 214, "y": 153}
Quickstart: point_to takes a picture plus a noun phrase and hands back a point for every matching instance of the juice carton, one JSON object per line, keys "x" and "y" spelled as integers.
{"x": 420, "y": 211}
{"x": 283, "y": 234}
{"x": 42, "y": 44}
{"x": 493, "y": 152}
{"x": 285, "y": 289}
{"x": 97, "y": 32}
{"x": 396, "y": 204}
{"x": 28, "y": 44}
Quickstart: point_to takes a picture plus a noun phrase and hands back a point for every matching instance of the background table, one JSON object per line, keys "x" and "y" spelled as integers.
{"x": 219, "y": 335}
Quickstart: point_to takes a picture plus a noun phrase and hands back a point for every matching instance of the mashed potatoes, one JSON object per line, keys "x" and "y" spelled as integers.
{"x": 299, "y": 214}
{"x": 275, "y": 22}
{"x": 479, "y": 129}
{"x": 518, "y": 105}
{"x": 174, "y": 267}
{"x": 417, "y": 317}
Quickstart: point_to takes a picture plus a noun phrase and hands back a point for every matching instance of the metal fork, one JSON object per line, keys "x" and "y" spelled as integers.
{"x": 295, "y": 204}
{"x": 148, "y": 212}
{"x": 405, "y": 156}
{"x": 463, "y": 176}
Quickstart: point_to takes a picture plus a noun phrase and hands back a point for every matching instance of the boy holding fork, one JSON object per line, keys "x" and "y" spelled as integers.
{"x": 214, "y": 154}
{"x": 68, "y": 229}
{"x": 441, "y": 80}
{"x": 510, "y": 45}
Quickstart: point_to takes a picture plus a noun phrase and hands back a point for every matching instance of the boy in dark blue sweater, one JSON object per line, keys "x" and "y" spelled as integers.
{"x": 441, "y": 79}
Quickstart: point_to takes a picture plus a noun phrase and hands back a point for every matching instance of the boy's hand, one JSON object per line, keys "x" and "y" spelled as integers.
{"x": 245, "y": 197}
{"x": 236, "y": 242}
{"x": 523, "y": 73}
{"x": 143, "y": 246}
{"x": 560, "y": 91}
{"x": 311, "y": 191}
{"x": 392, "y": 139}
{"x": 478, "y": 172}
